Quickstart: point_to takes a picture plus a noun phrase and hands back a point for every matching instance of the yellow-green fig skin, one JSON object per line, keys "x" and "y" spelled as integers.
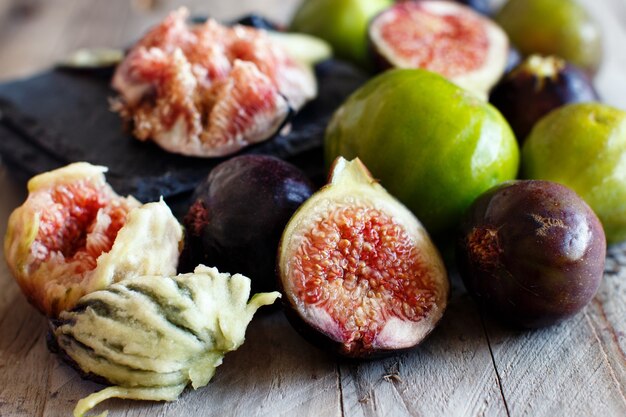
{"x": 583, "y": 146}
{"x": 433, "y": 145}
{"x": 553, "y": 27}
{"x": 342, "y": 23}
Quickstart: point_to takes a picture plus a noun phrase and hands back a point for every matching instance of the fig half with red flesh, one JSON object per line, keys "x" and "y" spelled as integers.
{"x": 359, "y": 273}
{"x": 532, "y": 252}
{"x": 74, "y": 235}
{"x": 444, "y": 37}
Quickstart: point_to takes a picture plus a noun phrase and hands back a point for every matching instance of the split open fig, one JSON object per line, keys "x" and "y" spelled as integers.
{"x": 444, "y": 37}
{"x": 74, "y": 235}
{"x": 359, "y": 273}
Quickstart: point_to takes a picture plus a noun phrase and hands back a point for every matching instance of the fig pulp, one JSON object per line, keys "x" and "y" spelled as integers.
{"x": 359, "y": 273}
{"x": 238, "y": 215}
{"x": 443, "y": 37}
{"x": 532, "y": 252}
{"x": 536, "y": 87}
{"x": 208, "y": 89}
{"x": 75, "y": 235}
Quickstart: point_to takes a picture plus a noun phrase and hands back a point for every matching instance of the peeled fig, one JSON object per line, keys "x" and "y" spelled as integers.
{"x": 151, "y": 336}
{"x": 536, "y": 87}
{"x": 208, "y": 89}
{"x": 359, "y": 273}
{"x": 444, "y": 37}
{"x": 238, "y": 215}
{"x": 75, "y": 235}
{"x": 532, "y": 252}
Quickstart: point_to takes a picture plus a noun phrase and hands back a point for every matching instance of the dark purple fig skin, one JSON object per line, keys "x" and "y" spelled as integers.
{"x": 481, "y": 6}
{"x": 238, "y": 215}
{"x": 531, "y": 252}
{"x": 524, "y": 95}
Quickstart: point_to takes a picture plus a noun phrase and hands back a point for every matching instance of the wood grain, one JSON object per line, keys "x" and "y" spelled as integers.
{"x": 470, "y": 366}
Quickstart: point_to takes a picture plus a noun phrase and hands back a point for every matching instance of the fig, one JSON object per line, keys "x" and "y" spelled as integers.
{"x": 359, "y": 273}
{"x": 74, "y": 235}
{"x": 553, "y": 27}
{"x": 532, "y": 252}
{"x": 483, "y": 7}
{"x": 207, "y": 89}
{"x": 258, "y": 22}
{"x": 443, "y": 37}
{"x": 151, "y": 336}
{"x": 238, "y": 215}
{"x": 342, "y": 23}
{"x": 536, "y": 87}
{"x": 583, "y": 146}
{"x": 433, "y": 145}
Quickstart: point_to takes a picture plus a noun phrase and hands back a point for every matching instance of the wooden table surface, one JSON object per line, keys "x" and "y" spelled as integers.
{"x": 470, "y": 366}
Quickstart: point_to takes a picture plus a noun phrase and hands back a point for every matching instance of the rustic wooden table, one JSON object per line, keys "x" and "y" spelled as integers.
{"x": 470, "y": 366}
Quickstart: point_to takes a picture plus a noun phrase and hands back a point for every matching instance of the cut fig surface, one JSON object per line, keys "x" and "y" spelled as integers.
{"x": 443, "y": 37}
{"x": 74, "y": 235}
{"x": 359, "y": 272}
{"x": 208, "y": 89}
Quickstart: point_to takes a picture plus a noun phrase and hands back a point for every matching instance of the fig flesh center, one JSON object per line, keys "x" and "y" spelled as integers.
{"x": 361, "y": 270}
{"x": 78, "y": 225}
{"x": 425, "y": 38}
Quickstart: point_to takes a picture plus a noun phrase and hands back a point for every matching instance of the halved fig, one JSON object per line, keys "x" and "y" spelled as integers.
{"x": 360, "y": 274}
{"x": 444, "y": 37}
{"x": 75, "y": 235}
{"x": 208, "y": 89}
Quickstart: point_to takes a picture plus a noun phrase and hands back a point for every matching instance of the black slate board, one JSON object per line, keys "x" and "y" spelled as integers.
{"x": 63, "y": 116}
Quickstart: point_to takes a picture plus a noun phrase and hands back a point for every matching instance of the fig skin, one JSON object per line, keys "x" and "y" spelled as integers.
{"x": 343, "y": 312}
{"x": 536, "y": 87}
{"x": 531, "y": 252}
{"x": 259, "y": 22}
{"x": 238, "y": 215}
{"x": 481, "y": 6}
{"x": 554, "y": 27}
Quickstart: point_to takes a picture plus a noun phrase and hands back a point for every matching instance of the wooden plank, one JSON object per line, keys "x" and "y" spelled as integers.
{"x": 576, "y": 368}
{"x": 450, "y": 374}
{"x": 579, "y": 366}
{"x": 275, "y": 372}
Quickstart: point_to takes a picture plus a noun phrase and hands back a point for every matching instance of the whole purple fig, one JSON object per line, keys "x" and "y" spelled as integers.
{"x": 536, "y": 87}
{"x": 238, "y": 215}
{"x": 532, "y": 252}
